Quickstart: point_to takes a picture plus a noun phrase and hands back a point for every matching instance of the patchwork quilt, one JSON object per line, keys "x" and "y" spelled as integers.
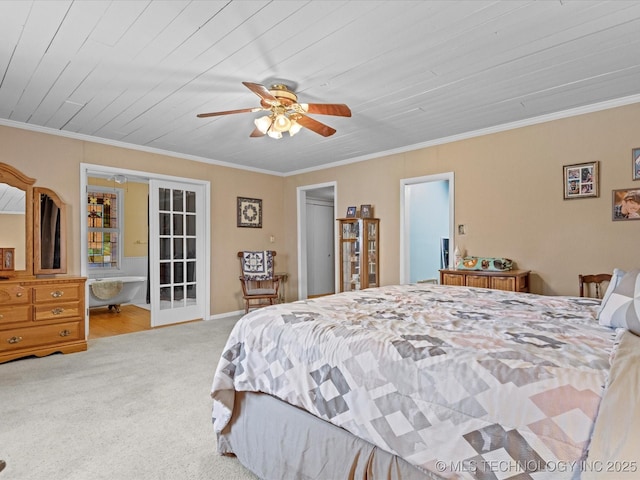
{"x": 461, "y": 382}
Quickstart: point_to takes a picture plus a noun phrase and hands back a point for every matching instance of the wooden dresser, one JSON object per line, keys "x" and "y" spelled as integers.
{"x": 511, "y": 280}
{"x": 41, "y": 316}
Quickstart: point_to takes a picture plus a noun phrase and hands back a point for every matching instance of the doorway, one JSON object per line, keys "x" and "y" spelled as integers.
{"x": 316, "y": 240}
{"x": 426, "y": 227}
{"x": 142, "y": 261}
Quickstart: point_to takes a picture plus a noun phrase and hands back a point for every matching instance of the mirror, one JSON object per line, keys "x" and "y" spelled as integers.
{"x": 50, "y": 253}
{"x": 16, "y": 218}
{"x": 12, "y": 222}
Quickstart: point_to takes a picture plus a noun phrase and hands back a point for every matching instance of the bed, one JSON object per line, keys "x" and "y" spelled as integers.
{"x": 428, "y": 381}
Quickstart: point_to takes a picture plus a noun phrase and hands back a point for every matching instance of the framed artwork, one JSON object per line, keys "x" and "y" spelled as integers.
{"x": 581, "y": 180}
{"x": 366, "y": 211}
{"x": 249, "y": 212}
{"x": 351, "y": 212}
{"x": 626, "y": 204}
{"x": 635, "y": 161}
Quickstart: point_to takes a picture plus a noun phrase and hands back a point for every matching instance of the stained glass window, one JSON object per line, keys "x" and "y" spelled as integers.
{"x": 103, "y": 221}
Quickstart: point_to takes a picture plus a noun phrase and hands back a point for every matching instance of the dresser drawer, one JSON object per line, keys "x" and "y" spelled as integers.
{"x": 14, "y": 295}
{"x": 61, "y": 292}
{"x": 20, "y": 338}
{"x": 452, "y": 279}
{"x": 477, "y": 281}
{"x": 57, "y": 311}
{"x": 10, "y": 314}
{"x": 511, "y": 280}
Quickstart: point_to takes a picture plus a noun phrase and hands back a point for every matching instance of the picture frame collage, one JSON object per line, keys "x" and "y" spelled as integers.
{"x": 581, "y": 180}
{"x": 625, "y": 202}
{"x": 366, "y": 211}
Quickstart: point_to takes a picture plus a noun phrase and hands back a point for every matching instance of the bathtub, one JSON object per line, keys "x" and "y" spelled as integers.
{"x": 130, "y": 287}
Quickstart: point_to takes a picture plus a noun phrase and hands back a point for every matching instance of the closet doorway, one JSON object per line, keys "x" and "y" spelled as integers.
{"x": 316, "y": 240}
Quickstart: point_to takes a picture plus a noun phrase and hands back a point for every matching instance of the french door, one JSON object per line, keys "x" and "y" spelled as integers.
{"x": 176, "y": 249}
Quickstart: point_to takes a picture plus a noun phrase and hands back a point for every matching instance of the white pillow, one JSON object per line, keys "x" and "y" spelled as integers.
{"x": 613, "y": 283}
{"x": 622, "y": 307}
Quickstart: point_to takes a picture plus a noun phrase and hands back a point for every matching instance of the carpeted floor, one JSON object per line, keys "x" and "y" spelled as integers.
{"x": 132, "y": 407}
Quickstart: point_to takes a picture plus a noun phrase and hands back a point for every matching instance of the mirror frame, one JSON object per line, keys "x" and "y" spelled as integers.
{"x": 37, "y": 226}
{"x": 16, "y": 178}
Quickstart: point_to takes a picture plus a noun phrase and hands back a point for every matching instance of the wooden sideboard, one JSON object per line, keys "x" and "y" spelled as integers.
{"x": 41, "y": 316}
{"x": 511, "y": 280}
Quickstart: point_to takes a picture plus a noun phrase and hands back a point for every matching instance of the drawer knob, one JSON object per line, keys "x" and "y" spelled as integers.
{"x": 14, "y": 339}
{"x": 57, "y": 294}
{"x": 19, "y": 294}
{"x": 57, "y": 311}
{"x": 65, "y": 333}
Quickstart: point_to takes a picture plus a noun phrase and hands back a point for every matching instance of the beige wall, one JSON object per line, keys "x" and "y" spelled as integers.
{"x": 55, "y": 163}
{"x": 508, "y": 192}
{"x": 12, "y": 234}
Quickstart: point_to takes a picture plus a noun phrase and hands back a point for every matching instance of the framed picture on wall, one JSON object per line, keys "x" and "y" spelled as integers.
{"x": 626, "y": 204}
{"x": 635, "y": 162}
{"x": 581, "y": 180}
{"x": 249, "y": 212}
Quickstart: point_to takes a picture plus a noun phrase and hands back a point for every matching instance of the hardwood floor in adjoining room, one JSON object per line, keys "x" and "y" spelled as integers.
{"x": 106, "y": 323}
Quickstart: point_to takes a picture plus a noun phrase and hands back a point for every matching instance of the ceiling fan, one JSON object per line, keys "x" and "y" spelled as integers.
{"x": 285, "y": 113}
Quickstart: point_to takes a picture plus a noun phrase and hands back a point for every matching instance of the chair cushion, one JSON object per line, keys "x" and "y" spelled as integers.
{"x": 261, "y": 291}
{"x": 622, "y": 306}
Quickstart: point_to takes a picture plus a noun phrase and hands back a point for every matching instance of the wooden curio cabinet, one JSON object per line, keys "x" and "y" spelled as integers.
{"x": 359, "y": 253}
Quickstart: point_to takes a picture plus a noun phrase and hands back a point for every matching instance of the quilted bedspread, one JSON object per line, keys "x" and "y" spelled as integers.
{"x": 460, "y": 382}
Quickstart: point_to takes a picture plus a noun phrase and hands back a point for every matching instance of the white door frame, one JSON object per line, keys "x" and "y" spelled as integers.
{"x": 302, "y": 234}
{"x": 185, "y": 312}
{"x": 87, "y": 169}
{"x": 405, "y": 251}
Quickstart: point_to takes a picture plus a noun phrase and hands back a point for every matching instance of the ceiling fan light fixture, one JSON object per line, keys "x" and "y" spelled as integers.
{"x": 295, "y": 128}
{"x": 263, "y": 123}
{"x": 274, "y": 133}
{"x": 284, "y": 113}
{"x": 281, "y": 123}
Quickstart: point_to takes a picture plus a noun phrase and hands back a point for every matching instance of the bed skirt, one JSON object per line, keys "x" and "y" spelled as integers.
{"x": 276, "y": 440}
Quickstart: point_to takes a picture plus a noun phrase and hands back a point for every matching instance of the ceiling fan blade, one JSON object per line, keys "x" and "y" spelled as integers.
{"x": 338, "y": 109}
{"x": 256, "y": 133}
{"x": 229, "y": 112}
{"x": 262, "y": 92}
{"x": 316, "y": 126}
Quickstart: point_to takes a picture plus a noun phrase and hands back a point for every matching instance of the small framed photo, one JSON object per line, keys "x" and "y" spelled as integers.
{"x": 581, "y": 180}
{"x": 626, "y": 204}
{"x": 366, "y": 211}
{"x": 249, "y": 212}
{"x": 8, "y": 259}
{"x": 351, "y": 212}
{"x": 635, "y": 160}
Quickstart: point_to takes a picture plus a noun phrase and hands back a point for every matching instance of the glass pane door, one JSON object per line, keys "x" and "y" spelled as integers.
{"x": 372, "y": 253}
{"x": 350, "y": 255}
{"x": 177, "y": 280}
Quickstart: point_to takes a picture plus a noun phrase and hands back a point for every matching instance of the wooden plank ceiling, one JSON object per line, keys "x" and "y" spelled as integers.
{"x": 136, "y": 73}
